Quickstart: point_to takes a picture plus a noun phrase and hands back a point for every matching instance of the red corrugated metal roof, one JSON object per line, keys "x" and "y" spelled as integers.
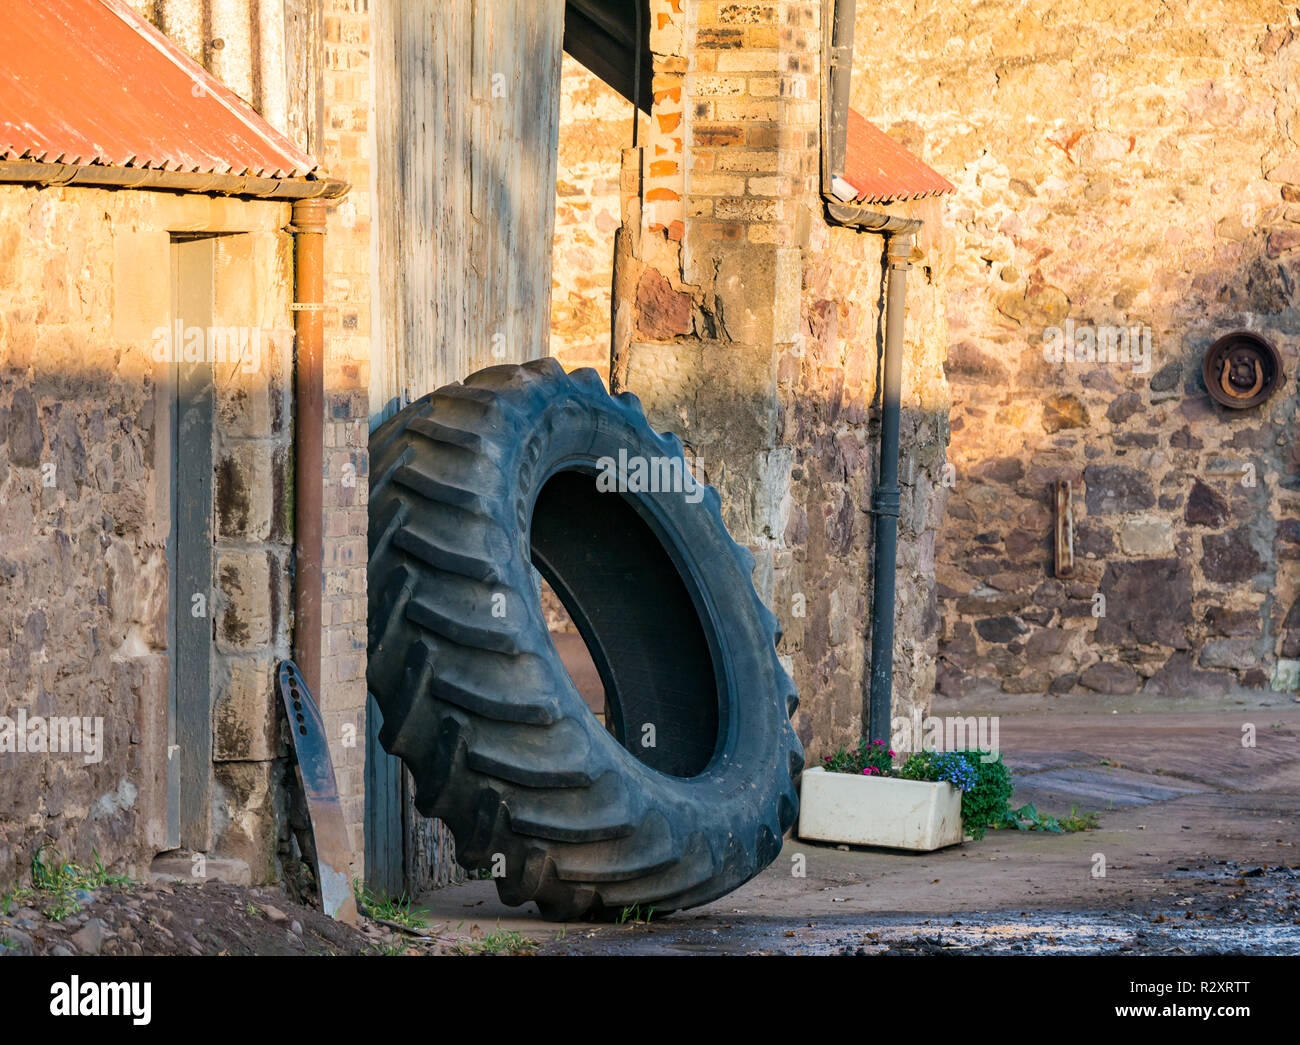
{"x": 89, "y": 82}
{"x": 883, "y": 171}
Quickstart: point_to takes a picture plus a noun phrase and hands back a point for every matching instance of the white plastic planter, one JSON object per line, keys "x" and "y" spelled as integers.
{"x": 883, "y": 811}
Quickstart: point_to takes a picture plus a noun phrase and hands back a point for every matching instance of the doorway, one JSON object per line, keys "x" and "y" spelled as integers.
{"x": 190, "y": 549}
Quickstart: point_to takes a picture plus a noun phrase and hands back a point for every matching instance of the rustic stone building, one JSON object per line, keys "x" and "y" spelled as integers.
{"x": 1120, "y": 167}
{"x": 146, "y": 368}
{"x": 710, "y": 282}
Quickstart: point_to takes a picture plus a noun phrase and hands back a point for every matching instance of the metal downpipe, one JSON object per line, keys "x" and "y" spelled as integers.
{"x": 885, "y": 497}
{"x": 835, "y": 118}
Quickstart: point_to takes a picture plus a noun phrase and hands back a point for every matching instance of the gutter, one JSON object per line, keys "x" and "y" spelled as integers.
{"x": 885, "y": 496}
{"x": 98, "y": 176}
{"x": 864, "y": 219}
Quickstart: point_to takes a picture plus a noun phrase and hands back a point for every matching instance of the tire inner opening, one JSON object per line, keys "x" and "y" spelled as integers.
{"x": 638, "y": 622}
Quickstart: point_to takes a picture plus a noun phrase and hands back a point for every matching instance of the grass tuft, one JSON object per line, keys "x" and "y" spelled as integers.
{"x": 503, "y": 941}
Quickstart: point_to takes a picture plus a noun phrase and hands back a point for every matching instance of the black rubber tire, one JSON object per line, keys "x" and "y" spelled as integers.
{"x": 471, "y": 486}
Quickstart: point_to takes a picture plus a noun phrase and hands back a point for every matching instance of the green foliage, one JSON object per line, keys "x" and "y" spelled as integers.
{"x": 984, "y": 805}
{"x": 918, "y": 766}
{"x": 395, "y": 909}
{"x": 503, "y": 941}
{"x": 1077, "y": 821}
{"x": 982, "y": 778}
{"x": 950, "y": 766}
{"x": 633, "y": 914}
{"x": 1027, "y": 818}
{"x": 14, "y": 898}
{"x": 58, "y": 881}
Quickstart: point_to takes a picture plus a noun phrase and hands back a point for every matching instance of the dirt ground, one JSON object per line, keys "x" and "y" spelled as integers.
{"x": 1196, "y": 835}
{"x": 192, "y": 918}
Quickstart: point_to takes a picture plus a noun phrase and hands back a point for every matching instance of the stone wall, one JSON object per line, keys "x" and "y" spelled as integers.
{"x": 1128, "y": 165}
{"x": 752, "y": 329}
{"x": 90, "y": 403}
{"x": 340, "y": 139}
{"x": 85, "y": 494}
{"x": 828, "y": 387}
{"x": 253, "y": 542}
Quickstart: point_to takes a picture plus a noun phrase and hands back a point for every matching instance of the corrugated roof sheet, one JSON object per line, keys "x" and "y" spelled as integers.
{"x": 89, "y": 82}
{"x": 883, "y": 171}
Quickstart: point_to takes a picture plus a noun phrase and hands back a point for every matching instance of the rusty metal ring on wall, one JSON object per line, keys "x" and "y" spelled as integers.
{"x": 1241, "y": 369}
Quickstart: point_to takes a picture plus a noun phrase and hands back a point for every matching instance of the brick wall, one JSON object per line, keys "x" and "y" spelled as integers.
{"x": 345, "y": 152}
{"x": 595, "y": 128}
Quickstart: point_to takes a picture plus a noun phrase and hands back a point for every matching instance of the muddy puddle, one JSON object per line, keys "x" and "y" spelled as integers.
{"x": 1223, "y": 908}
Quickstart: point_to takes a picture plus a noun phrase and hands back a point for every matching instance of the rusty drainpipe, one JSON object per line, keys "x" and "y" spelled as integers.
{"x": 309, "y": 396}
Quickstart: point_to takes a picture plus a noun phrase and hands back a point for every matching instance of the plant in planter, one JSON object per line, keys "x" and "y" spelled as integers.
{"x": 933, "y": 799}
{"x": 869, "y": 758}
{"x": 984, "y": 781}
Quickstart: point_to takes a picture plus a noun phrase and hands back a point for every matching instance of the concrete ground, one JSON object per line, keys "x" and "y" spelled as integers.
{"x": 1197, "y": 832}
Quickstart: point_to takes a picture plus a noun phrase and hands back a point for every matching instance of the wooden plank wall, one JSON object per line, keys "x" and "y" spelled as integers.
{"x": 383, "y": 816}
{"x": 466, "y": 119}
{"x": 467, "y": 99}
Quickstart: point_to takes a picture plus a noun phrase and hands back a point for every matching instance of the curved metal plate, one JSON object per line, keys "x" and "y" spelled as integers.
{"x": 316, "y": 771}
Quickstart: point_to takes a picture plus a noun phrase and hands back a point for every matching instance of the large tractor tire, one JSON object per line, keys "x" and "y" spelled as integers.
{"x": 477, "y": 490}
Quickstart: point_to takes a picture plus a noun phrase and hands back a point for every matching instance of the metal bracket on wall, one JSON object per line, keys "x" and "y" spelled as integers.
{"x": 1241, "y": 370}
{"x": 333, "y": 854}
{"x": 1063, "y": 539}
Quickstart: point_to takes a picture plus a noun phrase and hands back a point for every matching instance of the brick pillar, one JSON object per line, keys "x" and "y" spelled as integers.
{"x": 345, "y": 152}
{"x": 749, "y": 326}
{"x": 717, "y": 203}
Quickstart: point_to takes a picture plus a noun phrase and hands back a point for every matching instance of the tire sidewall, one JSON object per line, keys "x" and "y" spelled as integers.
{"x": 575, "y": 432}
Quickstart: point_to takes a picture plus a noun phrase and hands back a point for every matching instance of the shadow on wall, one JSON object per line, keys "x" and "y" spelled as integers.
{"x": 85, "y": 508}
{"x": 1186, "y": 542}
